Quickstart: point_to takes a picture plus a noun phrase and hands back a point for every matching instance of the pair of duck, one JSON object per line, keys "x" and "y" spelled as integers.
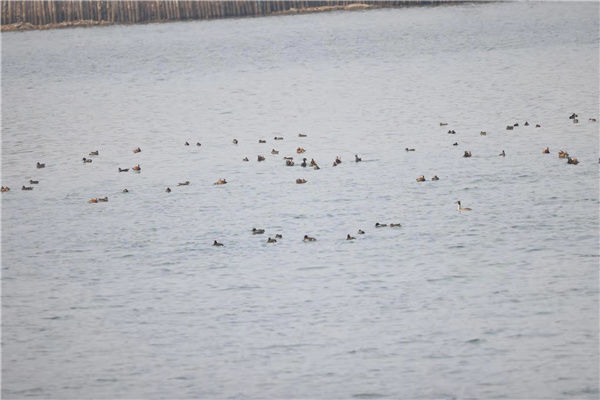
{"x": 197, "y": 144}
{"x": 422, "y": 178}
{"x": 94, "y": 153}
{"x": 98, "y": 200}
{"x": 378, "y": 225}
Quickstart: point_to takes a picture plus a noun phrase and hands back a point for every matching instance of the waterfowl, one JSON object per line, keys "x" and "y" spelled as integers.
{"x": 516, "y": 124}
{"x": 168, "y": 190}
{"x": 455, "y": 144}
{"x": 592, "y": 119}
{"x": 125, "y": 190}
{"x": 278, "y": 236}
{"x": 435, "y": 178}
{"x": 300, "y": 150}
{"x": 573, "y": 161}
{"x": 198, "y": 144}
{"x": 274, "y": 151}
{"x": 421, "y": 179}
{"x": 94, "y": 153}
{"x": 301, "y": 181}
{"x": 546, "y": 150}
{"x": 32, "y": 182}
{"x": 482, "y": 133}
{"x": 137, "y": 168}
{"x": 261, "y": 158}
{"x": 526, "y": 123}
{"x": 509, "y": 127}
{"x": 348, "y": 237}
{"x": 361, "y": 232}
{"x": 235, "y": 141}
{"x": 40, "y": 165}
{"x": 277, "y": 138}
{"x": 86, "y": 160}
{"x": 27, "y": 187}
{"x": 217, "y": 244}
{"x": 288, "y": 158}
{"x": 270, "y": 240}
{"x": 123, "y": 169}
{"x": 460, "y": 208}
{"x": 262, "y": 141}
{"x": 186, "y": 144}
{"x": 103, "y": 199}
{"x": 334, "y": 164}
{"x": 502, "y": 154}
{"x": 467, "y": 154}
{"x": 563, "y": 154}
{"x": 573, "y": 116}
{"x": 312, "y": 162}
{"x": 378, "y": 225}
{"x": 452, "y": 132}
{"x": 538, "y": 126}
{"x": 92, "y": 200}
{"x": 5, "y": 189}
{"x": 407, "y": 149}
{"x": 303, "y": 165}
{"x": 395, "y": 225}
{"x": 289, "y": 163}
{"x": 183, "y": 183}
{"x": 308, "y": 238}
{"x": 221, "y": 182}
{"x": 575, "y": 121}
{"x": 245, "y": 159}
{"x": 316, "y": 167}
{"x": 257, "y": 231}
{"x": 443, "y": 123}
{"x": 338, "y": 160}
{"x": 137, "y": 150}
{"x": 301, "y": 135}
{"x": 357, "y": 158}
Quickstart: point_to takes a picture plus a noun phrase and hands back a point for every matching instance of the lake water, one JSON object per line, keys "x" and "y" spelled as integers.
{"x": 128, "y": 299}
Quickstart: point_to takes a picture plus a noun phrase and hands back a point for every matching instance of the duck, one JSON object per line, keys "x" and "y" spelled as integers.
{"x": 86, "y": 160}
{"x": 137, "y": 168}
{"x": 303, "y": 165}
{"x": 168, "y": 190}
{"x": 278, "y": 236}
{"x": 482, "y": 133}
{"x": 461, "y": 208}
{"x": 308, "y": 238}
{"x": 435, "y": 178}
{"x": 509, "y": 127}
{"x": 357, "y": 158}
{"x": 546, "y": 150}
{"x": 300, "y": 150}
{"x": 312, "y": 162}
{"x": 301, "y": 135}
{"x": 563, "y": 154}
{"x": 455, "y": 144}
{"x": 592, "y": 120}
{"x": 257, "y": 231}
{"x": 288, "y": 158}
{"x": 103, "y": 199}
{"x": 538, "y": 126}
{"x": 573, "y": 161}
{"x": 270, "y": 240}
{"x": 361, "y": 232}
{"x": 235, "y": 141}
{"x": 262, "y": 141}
{"x": 378, "y": 225}
{"x": 94, "y": 153}
{"x": 221, "y": 182}
{"x": 452, "y": 132}
{"x": 186, "y": 183}
{"x": 40, "y": 165}
{"x": 186, "y": 144}
{"x": 526, "y": 123}
{"x": 443, "y": 123}
{"x": 93, "y": 200}
{"x": 503, "y": 154}
{"x": 198, "y": 144}
{"x": 5, "y": 189}
{"x": 301, "y": 181}
{"x": 261, "y": 158}
{"x": 289, "y": 163}
{"x": 348, "y": 237}
{"x": 277, "y": 138}
{"x": 217, "y": 244}
{"x": 123, "y": 169}
{"x": 516, "y": 124}
{"x": 575, "y": 121}
{"x": 137, "y": 150}
{"x": 245, "y": 159}
{"x": 27, "y": 187}
{"x": 467, "y": 154}
{"x": 573, "y": 116}
{"x": 125, "y": 190}
{"x": 421, "y": 179}
{"x": 274, "y": 151}
{"x": 407, "y": 149}
{"x": 32, "y": 182}
{"x": 338, "y": 160}
{"x": 316, "y": 167}
{"x": 395, "y": 225}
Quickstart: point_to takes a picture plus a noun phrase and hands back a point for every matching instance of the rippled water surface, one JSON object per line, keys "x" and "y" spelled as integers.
{"x": 128, "y": 299}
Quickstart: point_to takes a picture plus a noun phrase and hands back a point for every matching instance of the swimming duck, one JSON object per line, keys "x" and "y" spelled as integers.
{"x": 563, "y": 154}
{"x": 303, "y": 165}
{"x": 261, "y": 158}
{"x": 503, "y": 154}
{"x": 27, "y": 187}
{"x": 217, "y": 244}
{"x": 137, "y": 168}
{"x": 168, "y": 190}
{"x": 257, "y": 231}
{"x": 274, "y": 151}
{"x": 32, "y": 182}
{"x": 357, "y": 158}
{"x": 289, "y": 163}
{"x": 103, "y": 199}
{"x": 301, "y": 180}
{"x": 93, "y": 200}
{"x": 443, "y": 123}
{"x": 348, "y": 237}
{"x": 467, "y": 154}
{"x": 137, "y": 150}
{"x": 288, "y": 158}
{"x": 573, "y": 161}
{"x": 526, "y": 123}
{"x": 308, "y": 238}
{"x": 361, "y": 232}
{"x": 277, "y": 138}
{"x": 198, "y": 144}
{"x": 573, "y": 116}
{"x": 245, "y": 159}
{"x": 421, "y": 179}
{"x": 186, "y": 144}
{"x": 123, "y": 169}
{"x": 509, "y": 127}
{"x": 452, "y": 132}
{"x": 338, "y": 160}
{"x": 301, "y": 135}
{"x": 378, "y": 225}
{"x": 546, "y": 150}
{"x": 183, "y": 183}
{"x": 516, "y": 124}
{"x": 270, "y": 240}
{"x": 300, "y": 150}
{"x": 435, "y": 178}
{"x": 40, "y": 165}
{"x": 125, "y": 190}
{"x": 86, "y": 160}
{"x": 262, "y": 141}
{"x": 395, "y": 225}
{"x": 235, "y": 141}
{"x": 312, "y": 162}
{"x": 460, "y": 208}
{"x": 221, "y": 182}
{"x": 5, "y": 189}
{"x": 482, "y": 133}
{"x": 94, "y": 153}
{"x": 455, "y": 144}
{"x": 538, "y": 126}
{"x": 407, "y": 149}
{"x": 278, "y": 236}
{"x": 592, "y": 120}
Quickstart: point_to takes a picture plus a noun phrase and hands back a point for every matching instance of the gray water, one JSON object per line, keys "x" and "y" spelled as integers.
{"x": 128, "y": 299}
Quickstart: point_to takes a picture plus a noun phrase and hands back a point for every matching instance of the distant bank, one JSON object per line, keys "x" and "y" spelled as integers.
{"x": 49, "y": 14}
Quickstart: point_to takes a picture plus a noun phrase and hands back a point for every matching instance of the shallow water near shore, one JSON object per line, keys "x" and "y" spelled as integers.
{"x": 128, "y": 299}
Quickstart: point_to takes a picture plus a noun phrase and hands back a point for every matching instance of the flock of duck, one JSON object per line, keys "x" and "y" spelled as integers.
{"x": 289, "y": 161}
